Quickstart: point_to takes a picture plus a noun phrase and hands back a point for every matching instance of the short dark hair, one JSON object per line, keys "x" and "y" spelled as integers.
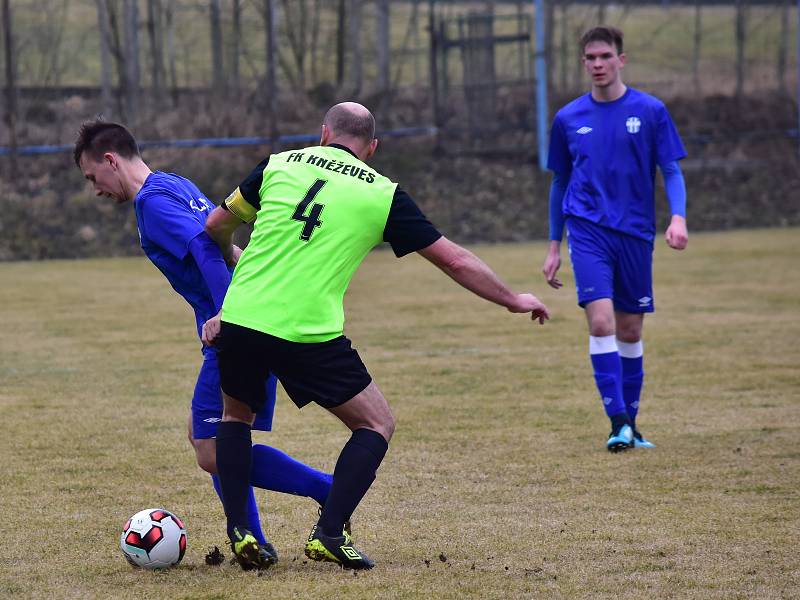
{"x": 343, "y": 120}
{"x": 609, "y": 35}
{"x": 97, "y": 137}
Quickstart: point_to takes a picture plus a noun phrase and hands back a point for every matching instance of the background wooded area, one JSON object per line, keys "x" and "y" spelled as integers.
{"x": 189, "y": 69}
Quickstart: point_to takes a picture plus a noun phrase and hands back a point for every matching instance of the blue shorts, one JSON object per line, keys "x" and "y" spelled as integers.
{"x": 207, "y": 400}
{"x": 610, "y": 264}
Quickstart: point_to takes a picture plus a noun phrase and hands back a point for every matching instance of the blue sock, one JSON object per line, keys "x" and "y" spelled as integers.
{"x": 253, "y": 518}
{"x": 608, "y": 374}
{"x": 277, "y": 471}
{"x": 631, "y": 355}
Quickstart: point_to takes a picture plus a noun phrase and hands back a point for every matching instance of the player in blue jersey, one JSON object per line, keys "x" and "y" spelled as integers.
{"x": 171, "y": 214}
{"x": 604, "y": 150}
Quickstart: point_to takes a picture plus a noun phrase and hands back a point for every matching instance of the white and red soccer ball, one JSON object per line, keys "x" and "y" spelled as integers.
{"x": 153, "y": 538}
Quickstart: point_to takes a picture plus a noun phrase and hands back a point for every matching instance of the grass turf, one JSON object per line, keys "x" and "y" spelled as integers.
{"x": 497, "y": 483}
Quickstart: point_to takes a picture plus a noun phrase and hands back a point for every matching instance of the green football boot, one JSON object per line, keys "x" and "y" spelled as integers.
{"x": 337, "y": 549}
{"x": 249, "y": 553}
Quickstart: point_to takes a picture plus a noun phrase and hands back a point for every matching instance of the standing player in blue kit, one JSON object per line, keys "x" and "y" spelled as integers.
{"x": 604, "y": 150}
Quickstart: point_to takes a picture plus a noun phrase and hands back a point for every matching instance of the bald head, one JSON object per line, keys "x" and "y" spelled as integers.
{"x": 350, "y": 120}
{"x": 351, "y": 125}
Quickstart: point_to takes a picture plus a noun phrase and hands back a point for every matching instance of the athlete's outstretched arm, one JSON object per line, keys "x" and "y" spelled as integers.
{"x": 220, "y": 226}
{"x": 475, "y": 275}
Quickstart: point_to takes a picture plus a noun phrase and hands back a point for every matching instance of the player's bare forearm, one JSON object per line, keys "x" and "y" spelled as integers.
{"x": 475, "y": 275}
{"x": 472, "y": 273}
{"x": 220, "y": 226}
{"x": 467, "y": 270}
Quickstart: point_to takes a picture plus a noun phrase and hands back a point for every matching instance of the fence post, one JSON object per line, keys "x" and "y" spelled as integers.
{"x": 741, "y": 40}
{"x": 11, "y": 87}
{"x": 541, "y": 84}
{"x": 434, "y": 68}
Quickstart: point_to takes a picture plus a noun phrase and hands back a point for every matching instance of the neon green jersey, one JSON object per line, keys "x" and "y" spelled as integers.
{"x": 321, "y": 211}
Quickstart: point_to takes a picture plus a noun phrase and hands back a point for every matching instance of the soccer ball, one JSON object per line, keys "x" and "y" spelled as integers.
{"x": 153, "y": 538}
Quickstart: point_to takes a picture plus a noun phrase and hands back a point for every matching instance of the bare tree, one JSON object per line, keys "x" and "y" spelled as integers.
{"x": 577, "y": 33}
{"x": 414, "y": 26}
{"x": 564, "y": 47}
{"x": 131, "y": 24}
{"x": 169, "y": 19}
{"x": 271, "y": 28}
{"x": 295, "y": 20}
{"x": 411, "y": 36}
{"x": 356, "y": 62}
{"x": 550, "y": 23}
{"x": 118, "y": 54}
{"x": 156, "y": 49}
{"x": 741, "y": 41}
{"x": 783, "y": 47}
{"x": 382, "y": 44}
{"x": 46, "y": 56}
{"x": 235, "y": 46}
{"x": 341, "y": 36}
{"x": 105, "y": 57}
{"x": 11, "y": 86}
{"x": 698, "y": 38}
{"x": 315, "y": 22}
{"x": 217, "y": 77}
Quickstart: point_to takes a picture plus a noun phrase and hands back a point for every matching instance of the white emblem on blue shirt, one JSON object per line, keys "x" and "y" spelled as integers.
{"x": 201, "y": 204}
{"x": 633, "y": 124}
{"x": 583, "y": 130}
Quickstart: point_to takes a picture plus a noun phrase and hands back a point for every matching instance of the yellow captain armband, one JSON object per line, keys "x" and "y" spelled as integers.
{"x": 240, "y": 207}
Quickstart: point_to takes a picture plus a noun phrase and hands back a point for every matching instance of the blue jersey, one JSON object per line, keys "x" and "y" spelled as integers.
{"x": 170, "y": 213}
{"x": 610, "y": 151}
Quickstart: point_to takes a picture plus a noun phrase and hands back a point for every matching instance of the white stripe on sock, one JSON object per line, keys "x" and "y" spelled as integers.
{"x": 603, "y": 344}
{"x": 630, "y": 349}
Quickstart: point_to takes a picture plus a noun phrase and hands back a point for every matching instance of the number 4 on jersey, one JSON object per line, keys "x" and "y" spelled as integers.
{"x": 312, "y": 219}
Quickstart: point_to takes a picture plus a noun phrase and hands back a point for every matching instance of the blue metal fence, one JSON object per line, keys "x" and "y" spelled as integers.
{"x": 283, "y": 140}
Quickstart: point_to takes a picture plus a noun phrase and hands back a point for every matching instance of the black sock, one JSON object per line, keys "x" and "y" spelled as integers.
{"x": 617, "y": 421}
{"x": 354, "y": 473}
{"x": 234, "y": 456}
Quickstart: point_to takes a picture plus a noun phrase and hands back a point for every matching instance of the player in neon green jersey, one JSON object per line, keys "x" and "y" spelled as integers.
{"x": 318, "y": 212}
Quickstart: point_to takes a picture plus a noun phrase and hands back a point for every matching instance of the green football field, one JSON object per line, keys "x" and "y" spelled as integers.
{"x": 497, "y": 483}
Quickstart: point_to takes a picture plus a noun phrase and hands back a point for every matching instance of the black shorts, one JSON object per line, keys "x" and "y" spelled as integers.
{"x": 328, "y": 373}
